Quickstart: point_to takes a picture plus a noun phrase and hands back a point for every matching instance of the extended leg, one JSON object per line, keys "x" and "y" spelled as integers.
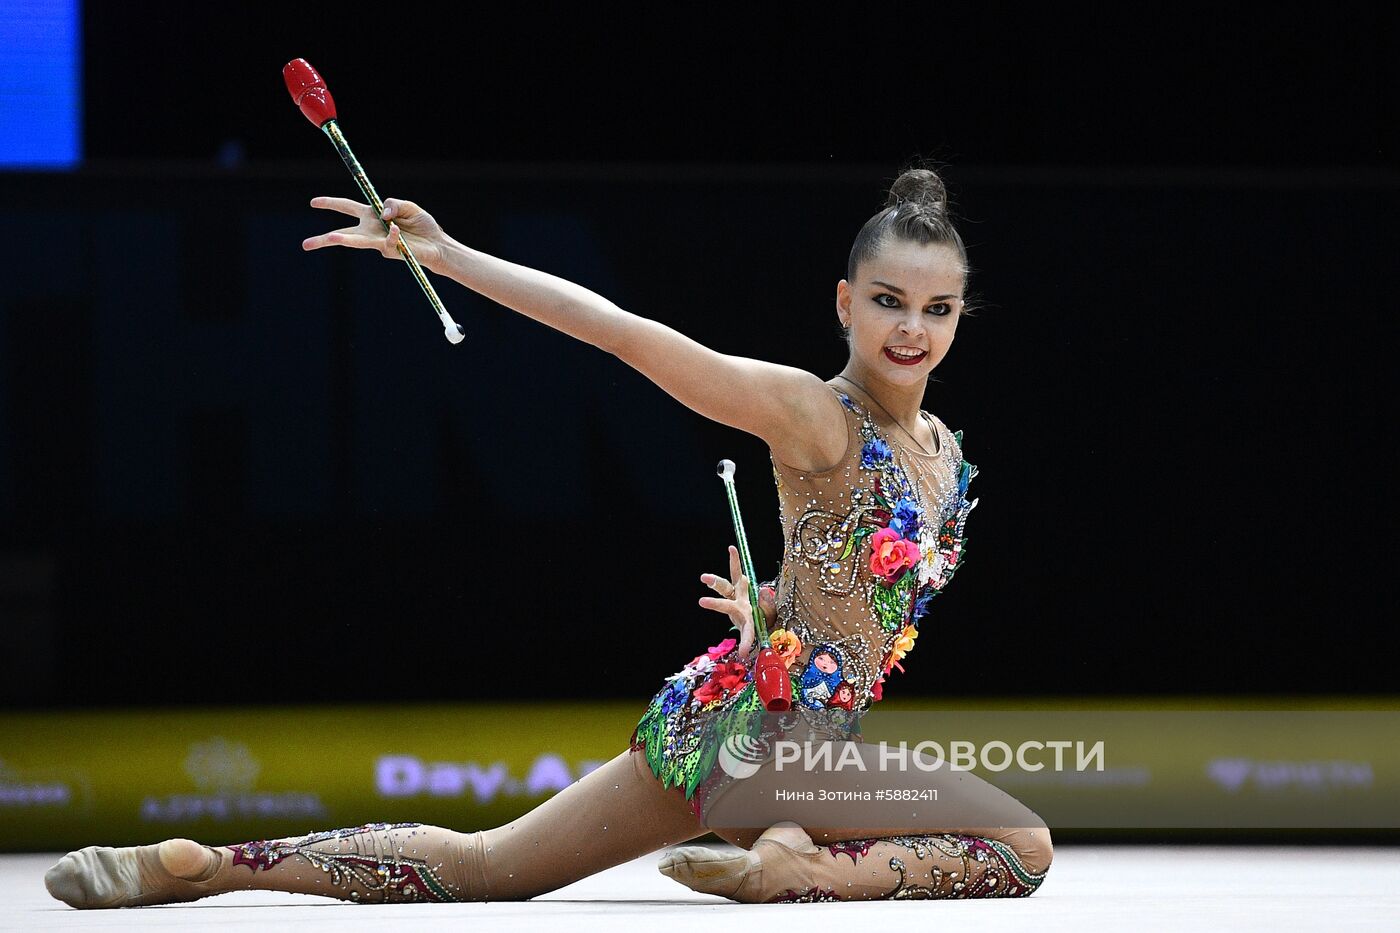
{"x": 610, "y": 816}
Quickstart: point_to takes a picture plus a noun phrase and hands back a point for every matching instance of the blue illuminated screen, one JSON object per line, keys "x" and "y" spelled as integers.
{"x": 41, "y": 107}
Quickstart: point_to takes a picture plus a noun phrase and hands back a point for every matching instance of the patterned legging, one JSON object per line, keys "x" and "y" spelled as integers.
{"x": 617, "y": 813}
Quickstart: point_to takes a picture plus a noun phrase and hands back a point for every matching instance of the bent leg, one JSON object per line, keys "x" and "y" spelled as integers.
{"x": 978, "y": 841}
{"x": 611, "y": 815}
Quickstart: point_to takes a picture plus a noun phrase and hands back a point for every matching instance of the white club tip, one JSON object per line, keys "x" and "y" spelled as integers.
{"x": 726, "y": 470}
{"x": 454, "y": 334}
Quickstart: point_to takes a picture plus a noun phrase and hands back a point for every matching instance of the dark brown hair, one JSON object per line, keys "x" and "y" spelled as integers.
{"x": 915, "y": 210}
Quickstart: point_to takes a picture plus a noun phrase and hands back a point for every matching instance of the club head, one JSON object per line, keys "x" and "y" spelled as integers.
{"x": 309, "y": 91}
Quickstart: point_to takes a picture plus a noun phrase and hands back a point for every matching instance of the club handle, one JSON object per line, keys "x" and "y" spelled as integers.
{"x": 451, "y": 329}
{"x": 726, "y": 475}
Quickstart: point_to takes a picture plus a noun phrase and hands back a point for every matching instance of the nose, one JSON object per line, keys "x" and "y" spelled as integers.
{"x": 912, "y": 324}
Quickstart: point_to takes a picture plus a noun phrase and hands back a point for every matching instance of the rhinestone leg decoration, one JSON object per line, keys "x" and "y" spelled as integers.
{"x": 787, "y": 868}
{"x": 932, "y": 867}
{"x": 378, "y": 863}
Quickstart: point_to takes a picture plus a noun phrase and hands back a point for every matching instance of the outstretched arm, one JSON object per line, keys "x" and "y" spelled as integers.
{"x": 779, "y": 404}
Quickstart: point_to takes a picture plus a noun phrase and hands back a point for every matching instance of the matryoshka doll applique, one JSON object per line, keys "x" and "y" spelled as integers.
{"x": 844, "y": 696}
{"x": 821, "y": 678}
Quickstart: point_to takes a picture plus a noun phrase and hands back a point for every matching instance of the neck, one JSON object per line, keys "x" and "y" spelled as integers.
{"x": 900, "y": 402}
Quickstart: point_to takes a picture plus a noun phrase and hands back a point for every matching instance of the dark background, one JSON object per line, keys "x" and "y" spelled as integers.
{"x": 233, "y": 472}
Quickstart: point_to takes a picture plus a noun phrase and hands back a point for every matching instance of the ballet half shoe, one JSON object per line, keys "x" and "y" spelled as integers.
{"x": 778, "y": 862}
{"x": 103, "y": 877}
{"x": 706, "y": 870}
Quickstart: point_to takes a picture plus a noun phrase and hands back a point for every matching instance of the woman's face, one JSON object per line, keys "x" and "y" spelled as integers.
{"x": 825, "y": 663}
{"x": 905, "y": 301}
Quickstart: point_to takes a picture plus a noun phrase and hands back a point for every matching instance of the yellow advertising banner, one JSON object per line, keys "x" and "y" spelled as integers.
{"x": 69, "y": 779}
{"x": 121, "y": 778}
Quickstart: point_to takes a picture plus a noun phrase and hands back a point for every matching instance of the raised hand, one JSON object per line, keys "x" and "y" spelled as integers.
{"x": 733, "y": 600}
{"x": 406, "y": 219}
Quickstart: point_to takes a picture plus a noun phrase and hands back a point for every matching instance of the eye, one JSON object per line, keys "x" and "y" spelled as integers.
{"x": 941, "y": 308}
{"x": 890, "y": 297}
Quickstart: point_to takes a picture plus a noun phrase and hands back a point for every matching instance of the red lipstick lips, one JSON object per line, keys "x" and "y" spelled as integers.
{"x": 905, "y": 362}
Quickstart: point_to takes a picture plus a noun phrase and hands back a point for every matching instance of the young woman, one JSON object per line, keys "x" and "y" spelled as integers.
{"x": 873, "y": 497}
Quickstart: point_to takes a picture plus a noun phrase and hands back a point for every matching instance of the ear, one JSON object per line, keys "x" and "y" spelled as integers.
{"x": 843, "y": 303}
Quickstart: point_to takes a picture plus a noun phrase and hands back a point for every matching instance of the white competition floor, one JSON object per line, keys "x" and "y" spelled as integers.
{"x": 1110, "y": 888}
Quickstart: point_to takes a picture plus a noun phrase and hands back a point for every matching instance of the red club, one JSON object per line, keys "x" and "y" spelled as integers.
{"x": 309, "y": 92}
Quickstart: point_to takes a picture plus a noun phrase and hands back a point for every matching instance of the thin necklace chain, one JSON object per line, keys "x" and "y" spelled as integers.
{"x": 895, "y": 421}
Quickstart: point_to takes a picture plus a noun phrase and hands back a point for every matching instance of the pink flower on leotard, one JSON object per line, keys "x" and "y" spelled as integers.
{"x": 723, "y": 648}
{"x": 891, "y": 555}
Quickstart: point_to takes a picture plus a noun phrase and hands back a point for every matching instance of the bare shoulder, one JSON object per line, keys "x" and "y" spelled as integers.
{"x": 816, "y": 437}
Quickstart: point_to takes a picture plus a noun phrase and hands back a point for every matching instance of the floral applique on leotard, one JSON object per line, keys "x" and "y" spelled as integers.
{"x": 863, "y": 559}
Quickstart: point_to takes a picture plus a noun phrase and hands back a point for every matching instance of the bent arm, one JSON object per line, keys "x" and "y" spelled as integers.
{"x": 776, "y": 403}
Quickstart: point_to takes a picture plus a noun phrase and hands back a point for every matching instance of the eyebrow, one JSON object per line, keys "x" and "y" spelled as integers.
{"x": 900, "y": 292}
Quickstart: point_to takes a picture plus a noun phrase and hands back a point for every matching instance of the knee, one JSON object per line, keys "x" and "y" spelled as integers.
{"x": 1034, "y": 851}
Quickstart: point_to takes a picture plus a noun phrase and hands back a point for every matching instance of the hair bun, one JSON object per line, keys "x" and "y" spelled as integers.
{"x": 922, "y": 186}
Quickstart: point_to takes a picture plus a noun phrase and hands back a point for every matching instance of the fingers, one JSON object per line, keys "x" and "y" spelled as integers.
{"x": 732, "y": 599}
{"x": 346, "y": 237}
{"x": 726, "y": 606}
{"x": 344, "y": 206}
{"x": 746, "y": 640}
{"x": 393, "y": 207}
{"x": 724, "y": 587}
{"x": 729, "y": 591}
{"x": 734, "y": 592}
{"x": 723, "y": 604}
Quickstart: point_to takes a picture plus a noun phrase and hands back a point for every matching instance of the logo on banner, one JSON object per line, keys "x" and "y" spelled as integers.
{"x": 21, "y": 791}
{"x": 1229, "y": 773}
{"x": 1272, "y": 776}
{"x": 222, "y": 767}
{"x": 410, "y": 776}
{"x": 225, "y": 774}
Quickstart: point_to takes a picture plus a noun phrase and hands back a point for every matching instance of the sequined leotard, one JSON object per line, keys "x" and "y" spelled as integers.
{"x": 868, "y": 544}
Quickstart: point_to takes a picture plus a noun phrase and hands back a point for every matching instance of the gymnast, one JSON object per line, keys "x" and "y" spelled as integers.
{"x": 873, "y": 499}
